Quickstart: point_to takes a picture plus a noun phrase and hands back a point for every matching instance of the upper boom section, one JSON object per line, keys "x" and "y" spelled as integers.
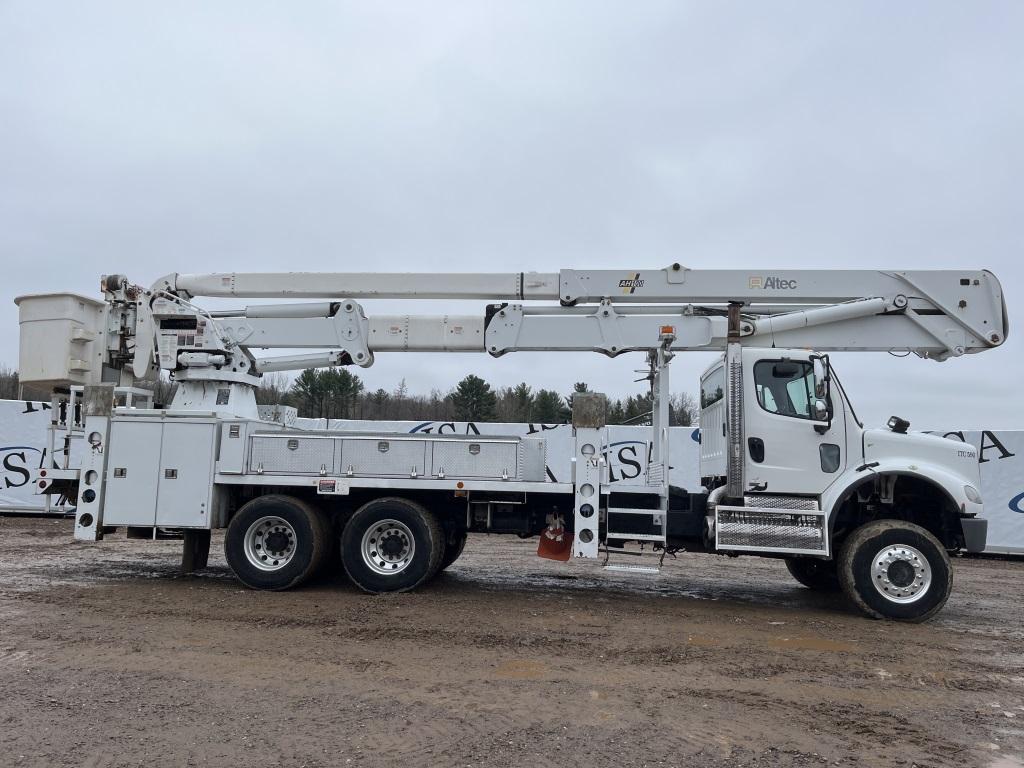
{"x": 673, "y": 285}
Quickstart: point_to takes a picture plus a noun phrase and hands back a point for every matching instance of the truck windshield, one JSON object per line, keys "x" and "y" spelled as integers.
{"x": 784, "y": 387}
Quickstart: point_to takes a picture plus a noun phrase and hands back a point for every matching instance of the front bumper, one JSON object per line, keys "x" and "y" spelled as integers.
{"x": 975, "y": 533}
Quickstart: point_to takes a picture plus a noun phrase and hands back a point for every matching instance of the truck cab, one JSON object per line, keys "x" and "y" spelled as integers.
{"x": 791, "y": 470}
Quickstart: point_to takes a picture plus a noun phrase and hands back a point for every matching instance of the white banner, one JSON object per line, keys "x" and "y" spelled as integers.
{"x": 22, "y": 445}
{"x": 1001, "y": 453}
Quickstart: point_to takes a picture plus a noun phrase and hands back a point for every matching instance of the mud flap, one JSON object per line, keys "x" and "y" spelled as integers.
{"x": 555, "y": 543}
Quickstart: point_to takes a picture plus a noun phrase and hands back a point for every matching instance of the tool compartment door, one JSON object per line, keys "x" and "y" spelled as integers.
{"x": 132, "y": 469}
{"x": 186, "y": 475}
{"x": 292, "y": 454}
{"x": 383, "y": 456}
{"x": 482, "y": 458}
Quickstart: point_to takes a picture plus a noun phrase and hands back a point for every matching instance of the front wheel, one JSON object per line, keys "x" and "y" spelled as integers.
{"x": 892, "y": 569}
{"x": 819, "y": 575}
{"x": 391, "y": 545}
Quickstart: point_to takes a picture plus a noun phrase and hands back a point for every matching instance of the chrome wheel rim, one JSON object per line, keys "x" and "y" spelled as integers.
{"x": 388, "y": 547}
{"x": 901, "y": 573}
{"x": 270, "y": 543}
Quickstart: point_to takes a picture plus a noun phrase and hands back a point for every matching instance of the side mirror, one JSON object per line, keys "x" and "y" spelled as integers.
{"x": 821, "y": 409}
{"x": 820, "y": 363}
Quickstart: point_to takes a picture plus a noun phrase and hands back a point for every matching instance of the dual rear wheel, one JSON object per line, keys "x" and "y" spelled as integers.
{"x": 276, "y": 542}
{"x": 388, "y": 545}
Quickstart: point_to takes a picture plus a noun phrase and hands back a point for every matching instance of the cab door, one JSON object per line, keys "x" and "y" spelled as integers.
{"x": 788, "y": 450}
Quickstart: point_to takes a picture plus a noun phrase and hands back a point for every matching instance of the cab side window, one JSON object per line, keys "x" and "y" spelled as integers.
{"x": 712, "y": 388}
{"x": 785, "y": 387}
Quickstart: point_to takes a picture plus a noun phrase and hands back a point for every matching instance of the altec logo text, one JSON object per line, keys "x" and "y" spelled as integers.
{"x": 630, "y": 284}
{"x": 769, "y": 283}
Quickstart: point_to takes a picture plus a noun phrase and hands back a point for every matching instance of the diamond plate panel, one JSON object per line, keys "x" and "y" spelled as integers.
{"x": 776, "y": 530}
{"x": 291, "y": 454}
{"x": 383, "y": 456}
{"x": 483, "y": 458}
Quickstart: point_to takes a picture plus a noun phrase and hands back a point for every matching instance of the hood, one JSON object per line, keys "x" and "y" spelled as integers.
{"x": 915, "y": 449}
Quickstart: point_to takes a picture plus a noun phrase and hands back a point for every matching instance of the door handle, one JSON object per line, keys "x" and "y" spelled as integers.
{"x": 756, "y": 447}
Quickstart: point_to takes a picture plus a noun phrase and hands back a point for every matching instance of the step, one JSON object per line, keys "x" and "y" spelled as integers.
{"x": 633, "y": 511}
{"x": 633, "y": 569}
{"x": 634, "y": 536}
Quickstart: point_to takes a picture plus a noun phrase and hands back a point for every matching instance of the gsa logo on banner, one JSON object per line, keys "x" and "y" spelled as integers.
{"x": 15, "y": 470}
{"x": 1015, "y": 503}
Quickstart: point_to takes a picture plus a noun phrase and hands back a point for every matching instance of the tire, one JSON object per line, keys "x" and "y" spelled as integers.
{"x": 413, "y": 538}
{"x": 453, "y": 549}
{"x": 819, "y": 575}
{"x": 276, "y": 542}
{"x": 891, "y": 569}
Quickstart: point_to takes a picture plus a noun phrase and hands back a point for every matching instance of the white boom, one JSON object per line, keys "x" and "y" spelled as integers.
{"x": 935, "y": 314}
{"x": 673, "y": 284}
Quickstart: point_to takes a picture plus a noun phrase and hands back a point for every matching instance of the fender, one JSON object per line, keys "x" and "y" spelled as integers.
{"x": 951, "y": 483}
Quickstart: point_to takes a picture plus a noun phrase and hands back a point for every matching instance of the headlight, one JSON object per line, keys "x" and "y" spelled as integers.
{"x": 972, "y": 494}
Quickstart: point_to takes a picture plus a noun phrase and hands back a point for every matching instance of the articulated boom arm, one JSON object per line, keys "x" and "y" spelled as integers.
{"x": 935, "y": 314}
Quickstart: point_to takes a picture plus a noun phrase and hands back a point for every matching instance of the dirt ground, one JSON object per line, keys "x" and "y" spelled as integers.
{"x": 108, "y": 657}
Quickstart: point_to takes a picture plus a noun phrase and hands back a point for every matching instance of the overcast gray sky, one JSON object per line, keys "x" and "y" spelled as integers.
{"x": 147, "y": 138}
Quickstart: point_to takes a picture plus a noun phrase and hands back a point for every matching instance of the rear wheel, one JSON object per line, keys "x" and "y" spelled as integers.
{"x": 276, "y": 542}
{"x": 453, "y": 549}
{"x": 819, "y": 575}
{"x": 391, "y": 545}
{"x": 892, "y": 569}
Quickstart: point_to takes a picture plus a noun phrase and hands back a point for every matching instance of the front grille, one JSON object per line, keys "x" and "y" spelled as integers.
{"x": 780, "y": 502}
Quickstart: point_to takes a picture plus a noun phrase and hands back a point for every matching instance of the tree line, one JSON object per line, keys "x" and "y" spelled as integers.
{"x": 8, "y": 384}
{"x": 337, "y": 393}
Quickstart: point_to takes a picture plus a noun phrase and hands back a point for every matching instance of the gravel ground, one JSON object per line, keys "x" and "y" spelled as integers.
{"x": 108, "y": 657}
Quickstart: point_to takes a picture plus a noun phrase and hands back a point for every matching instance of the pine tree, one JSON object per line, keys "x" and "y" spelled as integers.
{"x": 341, "y": 393}
{"x": 616, "y": 413}
{"x": 522, "y": 403}
{"x": 548, "y": 407}
{"x": 333, "y": 393}
{"x": 308, "y": 394}
{"x": 474, "y": 400}
{"x": 380, "y": 400}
